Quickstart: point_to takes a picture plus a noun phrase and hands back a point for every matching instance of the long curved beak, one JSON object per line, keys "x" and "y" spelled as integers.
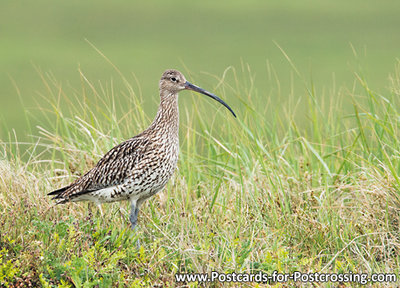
{"x": 190, "y": 86}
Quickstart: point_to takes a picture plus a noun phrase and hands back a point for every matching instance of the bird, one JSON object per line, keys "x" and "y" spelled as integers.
{"x": 141, "y": 166}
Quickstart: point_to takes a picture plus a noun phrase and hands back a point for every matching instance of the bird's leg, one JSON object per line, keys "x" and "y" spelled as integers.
{"x": 101, "y": 211}
{"x": 133, "y": 217}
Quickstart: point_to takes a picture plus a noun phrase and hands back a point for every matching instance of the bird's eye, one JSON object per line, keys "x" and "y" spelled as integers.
{"x": 173, "y": 79}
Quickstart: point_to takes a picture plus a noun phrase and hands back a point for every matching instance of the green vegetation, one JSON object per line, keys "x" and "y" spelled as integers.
{"x": 307, "y": 178}
{"x": 256, "y": 193}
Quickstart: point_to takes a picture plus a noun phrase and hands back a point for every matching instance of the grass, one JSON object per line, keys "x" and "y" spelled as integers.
{"x": 274, "y": 189}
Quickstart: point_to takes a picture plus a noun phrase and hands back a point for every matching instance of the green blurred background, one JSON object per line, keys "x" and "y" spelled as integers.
{"x": 327, "y": 40}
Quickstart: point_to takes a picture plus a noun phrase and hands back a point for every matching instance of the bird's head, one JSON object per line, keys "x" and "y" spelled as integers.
{"x": 173, "y": 81}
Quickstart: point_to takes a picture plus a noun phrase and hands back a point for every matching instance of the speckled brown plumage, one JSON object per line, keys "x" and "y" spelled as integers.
{"x": 141, "y": 166}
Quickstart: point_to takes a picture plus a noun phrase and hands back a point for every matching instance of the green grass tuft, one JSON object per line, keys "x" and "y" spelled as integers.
{"x": 274, "y": 189}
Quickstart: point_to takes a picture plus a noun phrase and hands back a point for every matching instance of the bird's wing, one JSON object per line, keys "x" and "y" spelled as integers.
{"x": 111, "y": 170}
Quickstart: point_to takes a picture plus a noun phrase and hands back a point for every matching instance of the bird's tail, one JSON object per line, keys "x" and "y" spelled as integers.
{"x": 58, "y": 193}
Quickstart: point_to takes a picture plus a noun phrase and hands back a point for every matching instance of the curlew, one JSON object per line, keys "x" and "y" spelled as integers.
{"x": 141, "y": 166}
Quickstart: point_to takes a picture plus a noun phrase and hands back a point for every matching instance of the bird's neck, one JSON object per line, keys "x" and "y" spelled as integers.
{"x": 166, "y": 122}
